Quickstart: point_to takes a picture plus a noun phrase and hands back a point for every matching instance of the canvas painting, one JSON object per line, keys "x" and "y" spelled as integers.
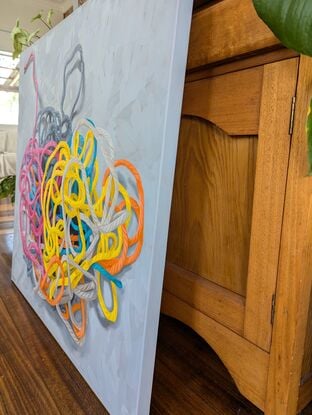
{"x": 100, "y": 103}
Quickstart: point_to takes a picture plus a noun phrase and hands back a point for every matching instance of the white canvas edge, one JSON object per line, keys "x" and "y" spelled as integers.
{"x": 165, "y": 188}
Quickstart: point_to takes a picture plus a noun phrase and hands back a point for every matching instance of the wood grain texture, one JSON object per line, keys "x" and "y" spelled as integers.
{"x": 295, "y": 267}
{"x": 212, "y": 204}
{"x": 307, "y": 358}
{"x": 212, "y": 300}
{"x": 231, "y": 101}
{"x": 241, "y": 64}
{"x": 225, "y": 30}
{"x": 32, "y": 378}
{"x": 279, "y": 87}
{"x": 247, "y": 364}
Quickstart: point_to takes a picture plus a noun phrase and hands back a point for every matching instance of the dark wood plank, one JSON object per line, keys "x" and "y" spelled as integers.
{"x": 32, "y": 379}
{"x": 189, "y": 377}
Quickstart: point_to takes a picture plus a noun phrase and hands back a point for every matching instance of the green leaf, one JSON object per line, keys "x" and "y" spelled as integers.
{"x": 32, "y": 35}
{"x": 290, "y": 21}
{"x": 37, "y": 17}
{"x": 16, "y": 29}
{"x": 49, "y": 17}
{"x": 7, "y": 187}
{"x": 17, "y": 50}
{"x": 20, "y": 39}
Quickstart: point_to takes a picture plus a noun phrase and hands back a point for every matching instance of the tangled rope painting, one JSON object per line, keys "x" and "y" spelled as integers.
{"x": 81, "y": 226}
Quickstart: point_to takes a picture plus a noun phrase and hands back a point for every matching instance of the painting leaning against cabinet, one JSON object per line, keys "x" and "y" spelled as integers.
{"x": 98, "y": 128}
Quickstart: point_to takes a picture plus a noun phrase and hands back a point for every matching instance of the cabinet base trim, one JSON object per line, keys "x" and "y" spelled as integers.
{"x": 222, "y": 305}
{"x": 247, "y": 364}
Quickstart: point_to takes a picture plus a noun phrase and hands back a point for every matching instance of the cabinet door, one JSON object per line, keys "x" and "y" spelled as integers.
{"x": 229, "y": 193}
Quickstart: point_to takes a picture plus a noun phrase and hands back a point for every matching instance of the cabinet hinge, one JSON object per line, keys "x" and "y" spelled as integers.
{"x": 273, "y": 308}
{"x": 292, "y": 115}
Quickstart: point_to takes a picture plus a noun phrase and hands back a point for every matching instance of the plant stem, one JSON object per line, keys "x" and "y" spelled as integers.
{"x": 43, "y": 21}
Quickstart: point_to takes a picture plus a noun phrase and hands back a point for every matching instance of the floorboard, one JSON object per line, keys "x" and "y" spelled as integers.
{"x": 189, "y": 377}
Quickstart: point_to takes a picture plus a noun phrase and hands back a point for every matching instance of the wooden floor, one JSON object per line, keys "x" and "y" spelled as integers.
{"x": 6, "y": 216}
{"x": 189, "y": 378}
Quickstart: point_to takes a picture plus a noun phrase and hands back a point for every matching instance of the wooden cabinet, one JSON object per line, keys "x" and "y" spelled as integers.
{"x": 239, "y": 260}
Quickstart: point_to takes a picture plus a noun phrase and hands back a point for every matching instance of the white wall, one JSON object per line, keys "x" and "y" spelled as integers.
{"x": 10, "y": 10}
{"x": 8, "y": 138}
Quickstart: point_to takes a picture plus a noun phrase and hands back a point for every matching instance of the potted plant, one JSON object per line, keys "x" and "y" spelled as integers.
{"x": 7, "y": 188}
{"x": 22, "y": 38}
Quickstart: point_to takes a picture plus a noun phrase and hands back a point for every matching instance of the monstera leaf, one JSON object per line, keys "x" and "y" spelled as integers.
{"x": 290, "y": 21}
